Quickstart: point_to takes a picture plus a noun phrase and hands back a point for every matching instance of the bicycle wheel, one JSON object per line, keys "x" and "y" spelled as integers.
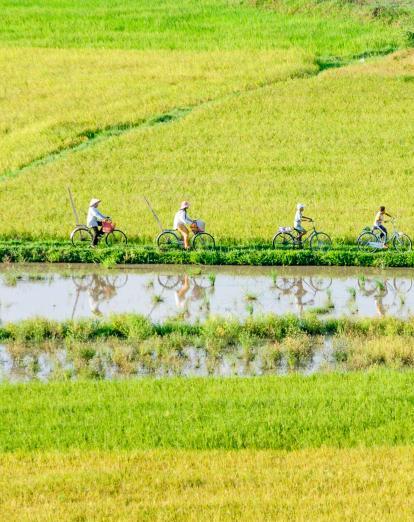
{"x": 81, "y": 236}
{"x": 116, "y": 237}
{"x": 320, "y": 241}
{"x": 168, "y": 281}
{"x": 203, "y": 241}
{"x": 283, "y": 241}
{"x": 367, "y": 242}
{"x": 402, "y": 243}
{"x": 117, "y": 281}
{"x": 402, "y": 286}
{"x": 285, "y": 283}
{"x": 319, "y": 283}
{"x": 168, "y": 240}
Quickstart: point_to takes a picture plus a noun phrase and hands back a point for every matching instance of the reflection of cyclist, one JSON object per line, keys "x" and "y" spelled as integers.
{"x": 378, "y": 223}
{"x": 99, "y": 290}
{"x": 299, "y": 217}
{"x": 94, "y": 220}
{"x": 181, "y": 294}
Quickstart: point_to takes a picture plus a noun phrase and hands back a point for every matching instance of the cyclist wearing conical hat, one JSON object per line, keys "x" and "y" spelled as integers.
{"x": 299, "y": 217}
{"x": 181, "y": 220}
{"x": 94, "y": 220}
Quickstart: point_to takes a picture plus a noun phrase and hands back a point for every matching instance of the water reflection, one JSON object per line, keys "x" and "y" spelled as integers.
{"x": 170, "y": 292}
{"x": 99, "y": 289}
{"x": 112, "y": 360}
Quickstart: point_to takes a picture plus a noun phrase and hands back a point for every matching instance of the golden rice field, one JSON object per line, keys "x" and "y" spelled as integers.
{"x": 324, "y": 484}
{"x": 51, "y": 98}
{"x": 341, "y": 142}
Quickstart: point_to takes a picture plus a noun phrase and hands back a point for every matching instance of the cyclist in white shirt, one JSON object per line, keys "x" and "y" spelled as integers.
{"x": 94, "y": 220}
{"x": 378, "y": 222}
{"x": 299, "y": 217}
{"x": 181, "y": 220}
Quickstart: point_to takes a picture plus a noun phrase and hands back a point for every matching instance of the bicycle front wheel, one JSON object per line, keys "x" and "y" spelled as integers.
{"x": 283, "y": 241}
{"x": 402, "y": 243}
{"x": 204, "y": 241}
{"x": 320, "y": 241}
{"x": 368, "y": 242}
{"x": 115, "y": 238}
{"x": 81, "y": 236}
{"x": 168, "y": 240}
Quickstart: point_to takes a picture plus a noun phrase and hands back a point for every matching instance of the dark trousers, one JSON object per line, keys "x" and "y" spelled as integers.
{"x": 384, "y": 232}
{"x": 97, "y": 233}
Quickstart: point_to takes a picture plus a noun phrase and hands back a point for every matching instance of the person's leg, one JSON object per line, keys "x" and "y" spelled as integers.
{"x": 384, "y": 233}
{"x": 95, "y": 232}
{"x": 185, "y": 234}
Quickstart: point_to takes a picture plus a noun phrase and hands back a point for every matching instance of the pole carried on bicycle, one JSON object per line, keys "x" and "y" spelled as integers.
{"x": 157, "y": 219}
{"x": 75, "y": 212}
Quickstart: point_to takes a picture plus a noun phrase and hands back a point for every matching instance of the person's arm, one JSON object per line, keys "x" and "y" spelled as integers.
{"x": 187, "y": 219}
{"x": 98, "y": 215}
{"x": 307, "y": 218}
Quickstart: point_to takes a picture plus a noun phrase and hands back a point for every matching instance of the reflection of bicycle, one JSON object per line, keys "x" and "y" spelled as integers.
{"x": 288, "y": 238}
{"x": 373, "y": 239}
{"x": 83, "y": 235}
{"x": 317, "y": 284}
{"x": 172, "y": 239}
{"x": 171, "y": 281}
{"x": 372, "y": 286}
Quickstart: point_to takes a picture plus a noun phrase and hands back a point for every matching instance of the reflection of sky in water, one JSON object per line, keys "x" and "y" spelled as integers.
{"x": 162, "y": 293}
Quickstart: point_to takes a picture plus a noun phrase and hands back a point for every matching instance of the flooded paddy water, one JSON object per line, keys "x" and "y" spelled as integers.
{"x": 162, "y": 292}
{"x": 191, "y": 294}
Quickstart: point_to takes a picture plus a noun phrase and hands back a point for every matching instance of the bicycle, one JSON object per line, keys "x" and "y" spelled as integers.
{"x": 370, "y": 240}
{"x": 82, "y": 234}
{"x": 288, "y": 238}
{"x": 200, "y": 240}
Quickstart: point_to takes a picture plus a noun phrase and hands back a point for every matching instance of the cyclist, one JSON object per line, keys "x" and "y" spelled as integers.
{"x": 94, "y": 220}
{"x": 299, "y": 217}
{"x": 181, "y": 220}
{"x": 378, "y": 223}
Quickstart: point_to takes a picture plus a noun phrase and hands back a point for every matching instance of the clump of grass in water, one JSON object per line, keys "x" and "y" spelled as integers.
{"x": 212, "y": 278}
{"x": 156, "y": 299}
{"x": 249, "y": 297}
{"x": 273, "y": 275}
{"x": 11, "y": 277}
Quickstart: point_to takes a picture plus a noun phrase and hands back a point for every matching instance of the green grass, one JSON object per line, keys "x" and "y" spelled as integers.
{"x": 255, "y": 254}
{"x": 201, "y": 25}
{"x": 293, "y": 412}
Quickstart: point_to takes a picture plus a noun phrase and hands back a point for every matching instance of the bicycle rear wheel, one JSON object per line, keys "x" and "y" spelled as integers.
{"x": 320, "y": 241}
{"x": 283, "y": 241}
{"x": 115, "y": 238}
{"x": 367, "y": 242}
{"x": 203, "y": 241}
{"x": 81, "y": 236}
{"x": 402, "y": 243}
{"x": 168, "y": 240}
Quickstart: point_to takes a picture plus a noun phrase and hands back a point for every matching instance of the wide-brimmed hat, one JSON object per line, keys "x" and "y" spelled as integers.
{"x": 184, "y": 205}
{"x": 299, "y": 206}
{"x": 94, "y": 201}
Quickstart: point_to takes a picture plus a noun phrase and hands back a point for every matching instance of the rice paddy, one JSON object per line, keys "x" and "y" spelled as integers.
{"x": 243, "y": 107}
{"x": 325, "y": 484}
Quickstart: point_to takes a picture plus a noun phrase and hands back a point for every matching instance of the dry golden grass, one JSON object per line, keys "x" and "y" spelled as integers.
{"x": 326, "y": 484}
{"x": 49, "y": 97}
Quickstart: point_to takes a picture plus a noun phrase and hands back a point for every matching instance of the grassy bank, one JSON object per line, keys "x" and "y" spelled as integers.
{"x": 215, "y": 331}
{"x": 258, "y": 255}
{"x": 274, "y": 413}
{"x": 323, "y": 484}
